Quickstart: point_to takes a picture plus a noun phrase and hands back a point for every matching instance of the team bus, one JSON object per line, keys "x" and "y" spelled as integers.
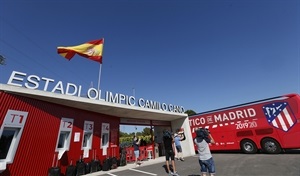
{"x": 269, "y": 125}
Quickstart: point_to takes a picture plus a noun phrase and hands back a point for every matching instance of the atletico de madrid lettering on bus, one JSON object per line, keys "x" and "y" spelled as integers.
{"x": 224, "y": 117}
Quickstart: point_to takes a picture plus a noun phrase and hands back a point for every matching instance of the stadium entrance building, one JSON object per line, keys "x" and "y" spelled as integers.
{"x": 44, "y": 123}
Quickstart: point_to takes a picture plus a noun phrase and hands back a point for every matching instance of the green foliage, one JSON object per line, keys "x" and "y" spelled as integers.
{"x": 127, "y": 141}
{"x": 126, "y": 138}
{"x": 146, "y": 131}
{"x": 123, "y": 134}
{"x": 190, "y": 112}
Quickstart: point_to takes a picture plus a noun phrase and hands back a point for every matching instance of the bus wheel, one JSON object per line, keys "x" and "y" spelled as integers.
{"x": 248, "y": 146}
{"x": 270, "y": 146}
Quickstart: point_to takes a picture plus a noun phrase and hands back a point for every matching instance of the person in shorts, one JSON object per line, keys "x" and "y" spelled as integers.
{"x": 178, "y": 137}
{"x": 206, "y": 161}
{"x": 168, "y": 141}
{"x": 136, "y": 145}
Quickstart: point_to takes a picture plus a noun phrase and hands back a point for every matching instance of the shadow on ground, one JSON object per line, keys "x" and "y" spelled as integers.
{"x": 165, "y": 167}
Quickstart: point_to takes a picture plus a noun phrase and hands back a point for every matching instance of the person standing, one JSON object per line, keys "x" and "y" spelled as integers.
{"x": 179, "y": 136}
{"x": 143, "y": 141}
{"x": 168, "y": 141}
{"x": 206, "y": 161}
{"x": 136, "y": 145}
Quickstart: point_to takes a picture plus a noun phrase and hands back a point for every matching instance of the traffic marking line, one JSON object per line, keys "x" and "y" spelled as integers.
{"x": 111, "y": 174}
{"x": 143, "y": 172}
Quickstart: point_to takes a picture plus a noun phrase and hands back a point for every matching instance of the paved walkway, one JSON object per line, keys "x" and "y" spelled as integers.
{"x": 129, "y": 166}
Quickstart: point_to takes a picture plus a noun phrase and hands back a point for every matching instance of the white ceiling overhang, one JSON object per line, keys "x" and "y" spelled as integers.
{"x": 98, "y": 106}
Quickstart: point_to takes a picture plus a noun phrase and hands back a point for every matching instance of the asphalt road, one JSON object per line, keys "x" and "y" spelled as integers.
{"x": 229, "y": 164}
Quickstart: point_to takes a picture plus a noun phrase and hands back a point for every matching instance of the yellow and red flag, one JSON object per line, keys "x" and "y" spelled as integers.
{"x": 91, "y": 50}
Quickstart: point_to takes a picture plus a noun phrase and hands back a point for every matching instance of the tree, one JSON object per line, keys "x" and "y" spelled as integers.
{"x": 2, "y": 60}
{"x": 190, "y": 112}
{"x": 123, "y": 134}
{"x": 146, "y": 131}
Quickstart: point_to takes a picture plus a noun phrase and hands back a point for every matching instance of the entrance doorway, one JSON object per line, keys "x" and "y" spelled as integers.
{"x": 127, "y": 132}
{"x": 151, "y": 131}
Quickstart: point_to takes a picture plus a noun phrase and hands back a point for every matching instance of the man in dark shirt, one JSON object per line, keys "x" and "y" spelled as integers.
{"x": 168, "y": 140}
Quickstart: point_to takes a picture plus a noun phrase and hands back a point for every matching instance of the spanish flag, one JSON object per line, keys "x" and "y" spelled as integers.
{"x": 91, "y": 50}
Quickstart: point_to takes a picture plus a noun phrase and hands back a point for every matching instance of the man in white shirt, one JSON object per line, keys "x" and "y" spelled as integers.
{"x": 203, "y": 138}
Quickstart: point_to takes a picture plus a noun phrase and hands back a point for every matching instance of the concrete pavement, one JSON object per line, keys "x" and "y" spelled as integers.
{"x": 130, "y": 166}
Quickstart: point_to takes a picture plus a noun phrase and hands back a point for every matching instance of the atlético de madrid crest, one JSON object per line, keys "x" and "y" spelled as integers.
{"x": 280, "y": 115}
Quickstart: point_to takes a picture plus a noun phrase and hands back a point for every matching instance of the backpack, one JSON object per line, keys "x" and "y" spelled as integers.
{"x": 203, "y": 134}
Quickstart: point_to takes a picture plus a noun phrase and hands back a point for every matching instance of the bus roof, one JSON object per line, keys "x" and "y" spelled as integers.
{"x": 249, "y": 103}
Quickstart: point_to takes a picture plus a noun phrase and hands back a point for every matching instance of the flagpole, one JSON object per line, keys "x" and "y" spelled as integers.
{"x": 100, "y": 68}
{"x": 99, "y": 78}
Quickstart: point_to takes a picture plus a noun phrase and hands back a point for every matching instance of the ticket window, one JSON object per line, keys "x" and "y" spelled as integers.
{"x": 63, "y": 140}
{"x": 7, "y": 141}
{"x": 10, "y": 135}
{"x": 64, "y": 136}
{"x": 87, "y": 140}
{"x": 105, "y": 137}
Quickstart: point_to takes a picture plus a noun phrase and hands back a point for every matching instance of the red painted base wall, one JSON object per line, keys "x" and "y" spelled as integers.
{"x": 35, "y": 151}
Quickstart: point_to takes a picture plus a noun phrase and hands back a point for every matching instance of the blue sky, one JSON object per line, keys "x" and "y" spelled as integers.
{"x": 199, "y": 54}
